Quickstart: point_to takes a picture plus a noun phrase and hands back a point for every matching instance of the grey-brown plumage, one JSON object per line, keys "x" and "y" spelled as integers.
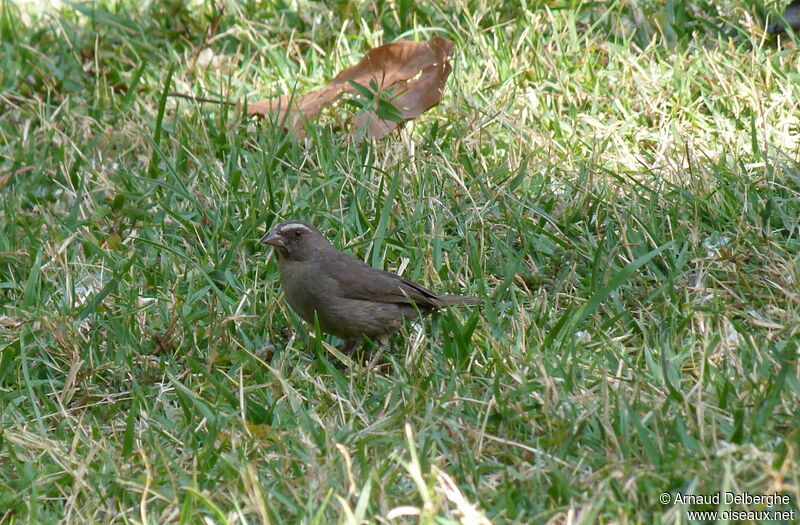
{"x": 350, "y": 299}
{"x": 791, "y": 17}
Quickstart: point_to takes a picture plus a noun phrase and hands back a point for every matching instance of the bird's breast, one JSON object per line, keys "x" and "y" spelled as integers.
{"x": 303, "y": 287}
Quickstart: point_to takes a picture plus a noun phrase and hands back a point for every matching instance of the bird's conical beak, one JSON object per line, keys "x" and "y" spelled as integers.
{"x": 273, "y": 239}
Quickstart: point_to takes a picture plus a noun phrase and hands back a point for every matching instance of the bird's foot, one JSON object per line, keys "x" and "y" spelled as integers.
{"x": 383, "y": 342}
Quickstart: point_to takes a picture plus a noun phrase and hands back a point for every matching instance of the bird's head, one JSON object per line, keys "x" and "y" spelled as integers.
{"x": 296, "y": 241}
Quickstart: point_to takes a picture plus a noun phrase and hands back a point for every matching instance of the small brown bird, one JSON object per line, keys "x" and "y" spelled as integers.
{"x": 350, "y": 299}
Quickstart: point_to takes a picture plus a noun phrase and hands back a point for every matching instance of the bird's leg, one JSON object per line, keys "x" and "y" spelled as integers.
{"x": 348, "y": 346}
{"x": 383, "y": 342}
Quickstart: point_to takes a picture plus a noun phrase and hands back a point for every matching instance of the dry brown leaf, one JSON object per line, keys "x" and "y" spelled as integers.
{"x": 419, "y": 71}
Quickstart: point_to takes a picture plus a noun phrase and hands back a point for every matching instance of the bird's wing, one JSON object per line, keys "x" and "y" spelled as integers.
{"x": 357, "y": 280}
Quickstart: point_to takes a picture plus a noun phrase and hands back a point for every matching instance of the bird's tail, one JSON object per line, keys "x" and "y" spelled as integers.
{"x": 448, "y": 300}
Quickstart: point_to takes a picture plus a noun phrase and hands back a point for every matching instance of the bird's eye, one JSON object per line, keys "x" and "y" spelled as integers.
{"x": 297, "y": 233}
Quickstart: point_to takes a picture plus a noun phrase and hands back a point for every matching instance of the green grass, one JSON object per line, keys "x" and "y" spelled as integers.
{"x": 618, "y": 180}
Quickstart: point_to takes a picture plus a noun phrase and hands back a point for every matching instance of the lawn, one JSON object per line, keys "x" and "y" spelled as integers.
{"x": 619, "y": 182}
